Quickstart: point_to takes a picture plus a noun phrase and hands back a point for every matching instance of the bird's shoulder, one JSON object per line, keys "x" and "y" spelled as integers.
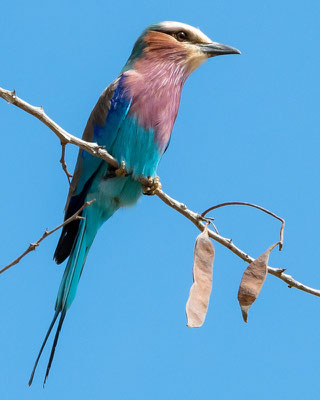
{"x": 100, "y": 111}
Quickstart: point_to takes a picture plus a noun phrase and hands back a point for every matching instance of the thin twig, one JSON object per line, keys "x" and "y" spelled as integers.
{"x": 243, "y": 203}
{"x": 210, "y": 221}
{"x": 195, "y": 218}
{"x": 63, "y": 162}
{"x": 33, "y": 246}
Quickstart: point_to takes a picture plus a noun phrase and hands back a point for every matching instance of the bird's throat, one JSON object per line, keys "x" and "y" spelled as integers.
{"x": 155, "y": 89}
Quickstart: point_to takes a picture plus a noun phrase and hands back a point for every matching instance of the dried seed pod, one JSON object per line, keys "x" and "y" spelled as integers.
{"x": 197, "y": 304}
{"x": 252, "y": 281}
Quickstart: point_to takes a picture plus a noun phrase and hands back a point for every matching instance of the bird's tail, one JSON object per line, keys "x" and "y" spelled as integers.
{"x": 69, "y": 283}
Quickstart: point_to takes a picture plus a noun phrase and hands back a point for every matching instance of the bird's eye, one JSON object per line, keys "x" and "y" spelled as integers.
{"x": 181, "y": 36}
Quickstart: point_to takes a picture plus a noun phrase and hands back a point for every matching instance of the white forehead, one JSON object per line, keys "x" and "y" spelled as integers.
{"x": 176, "y": 26}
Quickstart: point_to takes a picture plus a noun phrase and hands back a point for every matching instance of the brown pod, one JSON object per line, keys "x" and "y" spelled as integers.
{"x": 198, "y": 301}
{"x": 252, "y": 281}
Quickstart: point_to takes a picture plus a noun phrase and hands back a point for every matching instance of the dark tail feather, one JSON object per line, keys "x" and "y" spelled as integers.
{"x": 53, "y": 349}
{"x": 69, "y": 232}
{"x": 42, "y": 347}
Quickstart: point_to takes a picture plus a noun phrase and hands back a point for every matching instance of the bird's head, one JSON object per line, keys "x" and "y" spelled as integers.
{"x": 177, "y": 43}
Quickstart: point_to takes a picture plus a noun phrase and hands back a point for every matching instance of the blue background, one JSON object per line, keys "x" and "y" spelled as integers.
{"x": 247, "y": 129}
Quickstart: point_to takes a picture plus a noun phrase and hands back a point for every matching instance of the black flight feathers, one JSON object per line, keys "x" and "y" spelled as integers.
{"x": 70, "y": 231}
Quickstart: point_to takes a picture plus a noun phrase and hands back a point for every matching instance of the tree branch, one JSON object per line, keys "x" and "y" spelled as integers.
{"x": 197, "y": 219}
{"x": 33, "y": 246}
{"x": 98, "y": 151}
{"x": 64, "y": 136}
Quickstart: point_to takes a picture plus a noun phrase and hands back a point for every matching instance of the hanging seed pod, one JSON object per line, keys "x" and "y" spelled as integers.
{"x": 197, "y": 304}
{"x": 252, "y": 281}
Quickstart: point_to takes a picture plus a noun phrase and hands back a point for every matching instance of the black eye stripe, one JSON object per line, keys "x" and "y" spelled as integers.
{"x": 181, "y": 36}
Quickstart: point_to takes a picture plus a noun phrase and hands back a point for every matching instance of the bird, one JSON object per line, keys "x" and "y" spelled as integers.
{"x": 133, "y": 120}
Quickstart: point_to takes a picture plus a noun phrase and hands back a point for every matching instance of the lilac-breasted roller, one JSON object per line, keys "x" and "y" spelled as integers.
{"x": 133, "y": 120}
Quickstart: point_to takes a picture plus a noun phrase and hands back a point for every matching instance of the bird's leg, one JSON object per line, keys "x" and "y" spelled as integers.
{"x": 121, "y": 171}
{"x": 151, "y": 186}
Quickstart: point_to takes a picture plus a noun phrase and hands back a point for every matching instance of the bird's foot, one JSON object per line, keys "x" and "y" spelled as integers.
{"x": 151, "y": 186}
{"x": 121, "y": 171}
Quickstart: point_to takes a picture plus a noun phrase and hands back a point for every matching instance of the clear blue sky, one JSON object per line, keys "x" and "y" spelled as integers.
{"x": 247, "y": 129}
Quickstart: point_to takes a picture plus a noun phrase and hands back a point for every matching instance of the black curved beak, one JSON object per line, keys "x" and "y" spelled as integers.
{"x": 217, "y": 49}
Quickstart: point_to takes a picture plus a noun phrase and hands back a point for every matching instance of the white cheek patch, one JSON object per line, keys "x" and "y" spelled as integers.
{"x": 195, "y": 58}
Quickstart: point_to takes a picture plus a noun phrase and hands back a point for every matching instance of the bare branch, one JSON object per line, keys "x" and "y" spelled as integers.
{"x": 64, "y": 136}
{"x": 96, "y": 150}
{"x": 63, "y": 162}
{"x": 33, "y": 246}
{"x": 197, "y": 220}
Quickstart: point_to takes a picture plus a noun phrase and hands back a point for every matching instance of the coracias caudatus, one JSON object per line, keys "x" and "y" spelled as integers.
{"x": 133, "y": 120}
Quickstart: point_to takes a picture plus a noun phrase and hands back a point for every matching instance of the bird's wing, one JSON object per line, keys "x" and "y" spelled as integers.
{"x": 102, "y": 127}
{"x": 86, "y": 163}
